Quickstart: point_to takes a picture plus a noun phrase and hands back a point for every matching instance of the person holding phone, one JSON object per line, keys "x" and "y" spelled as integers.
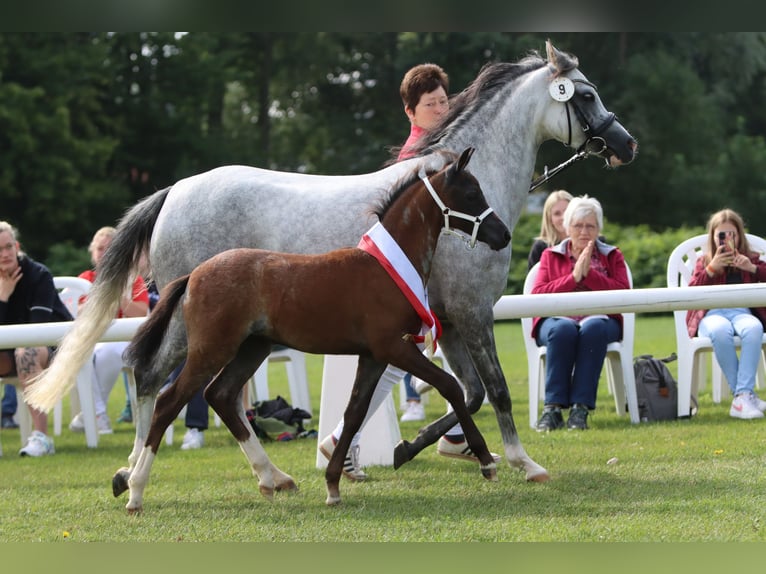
{"x": 730, "y": 260}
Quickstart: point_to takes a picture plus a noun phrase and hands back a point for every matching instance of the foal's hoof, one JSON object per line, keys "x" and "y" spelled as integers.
{"x": 120, "y": 481}
{"x": 489, "y": 472}
{"x": 333, "y": 495}
{"x": 402, "y": 453}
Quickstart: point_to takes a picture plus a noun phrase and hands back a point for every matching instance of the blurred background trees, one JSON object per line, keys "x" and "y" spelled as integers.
{"x": 92, "y": 122}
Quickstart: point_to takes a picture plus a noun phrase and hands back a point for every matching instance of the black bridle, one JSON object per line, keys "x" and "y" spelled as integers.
{"x": 594, "y": 144}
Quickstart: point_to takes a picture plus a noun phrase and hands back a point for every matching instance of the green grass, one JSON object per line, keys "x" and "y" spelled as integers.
{"x": 699, "y": 480}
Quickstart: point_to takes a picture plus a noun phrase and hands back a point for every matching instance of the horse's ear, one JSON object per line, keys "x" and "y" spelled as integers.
{"x": 465, "y": 157}
{"x": 561, "y": 61}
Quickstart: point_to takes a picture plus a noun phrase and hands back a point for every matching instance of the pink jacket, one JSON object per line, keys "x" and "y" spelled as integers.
{"x": 700, "y": 277}
{"x": 555, "y": 274}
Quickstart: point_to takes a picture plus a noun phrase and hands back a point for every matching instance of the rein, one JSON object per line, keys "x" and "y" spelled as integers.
{"x": 593, "y": 145}
{"x": 477, "y": 219}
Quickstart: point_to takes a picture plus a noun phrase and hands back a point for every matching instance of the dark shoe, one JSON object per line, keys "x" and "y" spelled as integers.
{"x": 578, "y": 417}
{"x": 551, "y": 419}
{"x": 9, "y": 423}
{"x": 126, "y": 416}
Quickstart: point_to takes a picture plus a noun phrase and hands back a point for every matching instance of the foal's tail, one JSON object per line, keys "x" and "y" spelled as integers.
{"x": 146, "y": 342}
{"x": 116, "y": 272}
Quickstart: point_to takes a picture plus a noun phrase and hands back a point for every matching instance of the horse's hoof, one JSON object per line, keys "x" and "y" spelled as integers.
{"x": 538, "y": 475}
{"x": 401, "y": 453}
{"x": 120, "y": 482}
{"x": 267, "y": 492}
{"x": 489, "y": 472}
{"x": 287, "y": 486}
{"x": 332, "y": 500}
{"x": 134, "y": 511}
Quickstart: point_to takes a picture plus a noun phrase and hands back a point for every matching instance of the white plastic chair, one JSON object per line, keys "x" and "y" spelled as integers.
{"x": 297, "y": 379}
{"x": 691, "y": 350}
{"x": 619, "y": 362}
{"x": 71, "y": 289}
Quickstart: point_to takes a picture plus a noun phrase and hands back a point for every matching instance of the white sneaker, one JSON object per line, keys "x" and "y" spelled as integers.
{"x": 460, "y": 450}
{"x": 744, "y": 406}
{"x": 77, "y": 424}
{"x": 351, "y": 468}
{"x": 103, "y": 424}
{"x": 193, "y": 439}
{"x": 38, "y": 444}
{"x": 414, "y": 412}
{"x": 759, "y": 403}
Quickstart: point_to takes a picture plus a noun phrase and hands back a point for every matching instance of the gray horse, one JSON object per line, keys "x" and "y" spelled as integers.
{"x": 506, "y": 113}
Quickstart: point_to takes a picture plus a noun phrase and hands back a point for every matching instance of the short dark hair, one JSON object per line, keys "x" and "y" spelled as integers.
{"x": 422, "y": 79}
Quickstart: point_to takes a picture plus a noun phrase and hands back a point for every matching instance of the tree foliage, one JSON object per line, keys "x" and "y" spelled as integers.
{"x": 92, "y": 122}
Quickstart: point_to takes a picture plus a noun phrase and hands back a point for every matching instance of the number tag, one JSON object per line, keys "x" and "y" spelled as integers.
{"x": 562, "y": 89}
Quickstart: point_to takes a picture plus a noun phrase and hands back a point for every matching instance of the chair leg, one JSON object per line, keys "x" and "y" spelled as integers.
{"x": 87, "y": 404}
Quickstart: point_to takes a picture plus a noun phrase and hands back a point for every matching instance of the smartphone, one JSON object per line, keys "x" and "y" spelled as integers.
{"x": 721, "y": 238}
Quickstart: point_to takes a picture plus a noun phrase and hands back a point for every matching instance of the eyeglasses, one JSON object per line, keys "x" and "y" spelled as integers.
{"x": 589, "y": 227}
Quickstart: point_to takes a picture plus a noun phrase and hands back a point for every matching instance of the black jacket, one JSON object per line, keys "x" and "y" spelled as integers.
{"x": 35, "y": 299}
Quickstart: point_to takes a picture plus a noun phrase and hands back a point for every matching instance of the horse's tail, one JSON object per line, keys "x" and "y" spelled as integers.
{"x": 149, "y": 335}
{"x": 116, "y": 272}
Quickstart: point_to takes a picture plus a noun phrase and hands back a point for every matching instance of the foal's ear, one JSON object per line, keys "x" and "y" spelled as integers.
{"x": 464, "y": 158}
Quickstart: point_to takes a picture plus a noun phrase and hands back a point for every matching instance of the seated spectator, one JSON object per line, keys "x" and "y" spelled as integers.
{"x": 107, "y": 357}
{"x": 576, "y": 346}
{"x": 552, "y": 230}
{"x": 9, "y": 407}
{"x": 729, "y": 259}
{"x": 27, "y": 295}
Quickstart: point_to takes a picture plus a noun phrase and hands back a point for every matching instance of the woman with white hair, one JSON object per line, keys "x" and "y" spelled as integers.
{"x": 576, "y": 345}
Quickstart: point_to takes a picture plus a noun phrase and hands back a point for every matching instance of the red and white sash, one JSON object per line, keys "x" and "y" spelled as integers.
{"x": 379, "y": 243}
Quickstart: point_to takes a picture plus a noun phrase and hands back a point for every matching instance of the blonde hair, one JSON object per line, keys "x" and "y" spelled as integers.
{"x": 105, "y": 231}
{"x": 5, "y": 226}
{"x": 719, "y": 218}
{"x": 548, "y": 231}
{"x": 581, "y": 207}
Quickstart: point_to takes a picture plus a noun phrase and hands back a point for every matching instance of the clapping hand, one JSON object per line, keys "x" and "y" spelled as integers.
{"x": 582, "y": 265}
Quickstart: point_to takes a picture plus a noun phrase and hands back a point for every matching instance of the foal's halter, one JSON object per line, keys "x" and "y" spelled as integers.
{"x": 594, "y": 144}
{"x": 477, "y": 219}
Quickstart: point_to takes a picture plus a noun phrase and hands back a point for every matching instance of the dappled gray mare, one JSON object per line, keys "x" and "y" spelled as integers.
{"x": 507, "y": 112}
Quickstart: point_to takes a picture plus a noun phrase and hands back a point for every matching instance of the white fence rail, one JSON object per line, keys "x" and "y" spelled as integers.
{"x": 508, "y": 307}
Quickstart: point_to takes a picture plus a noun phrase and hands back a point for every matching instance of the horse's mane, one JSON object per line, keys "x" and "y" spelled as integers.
{"x": 382, "y": 206}
{"x": 492, "y": 78}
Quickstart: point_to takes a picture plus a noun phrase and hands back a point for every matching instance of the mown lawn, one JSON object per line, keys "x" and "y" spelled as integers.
{"x": 698, "y": 480}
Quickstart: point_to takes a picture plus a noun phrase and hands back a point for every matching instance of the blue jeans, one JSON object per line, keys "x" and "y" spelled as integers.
{"x": 721, "y": 325}
{"x": 9, "y": 400}
{"x": 197, "y": 415}
{"x": 574, "y": 358}
{"x": 412, "y": 394}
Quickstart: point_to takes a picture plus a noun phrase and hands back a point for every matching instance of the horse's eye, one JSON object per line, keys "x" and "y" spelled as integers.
{"x": 588, "y": 96}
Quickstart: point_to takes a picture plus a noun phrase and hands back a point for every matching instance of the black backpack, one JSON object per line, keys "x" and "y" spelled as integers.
{"x": 657, "y": 390}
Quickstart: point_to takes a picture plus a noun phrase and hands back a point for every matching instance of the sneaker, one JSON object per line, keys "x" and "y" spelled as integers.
{"x": 551, "y": 419}
{"x": 38, "y": 444}
{"x": 126, "y": 416}
{"x": 759, "y": 403}
{"x": 461, "y": 450}
{"x": 193, "y": 439}
{"x": 578, "y": 417}
{"x": 9, "y": 423}
{"x": 414, "y": 412}
{"x": 103, "y": 425}
{"x": 77, "y": 424}
{"x": 744, "y": 406}
{"x": 351, "y": 468}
